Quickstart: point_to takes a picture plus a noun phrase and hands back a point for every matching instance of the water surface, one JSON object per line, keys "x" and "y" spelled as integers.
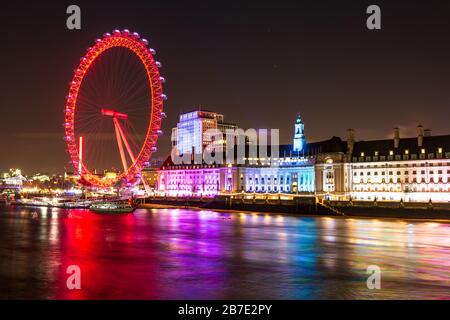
{"x": 188, "y": 254}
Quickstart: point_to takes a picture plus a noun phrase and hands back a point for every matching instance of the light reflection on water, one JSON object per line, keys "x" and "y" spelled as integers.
{"x": 185, "y": 254}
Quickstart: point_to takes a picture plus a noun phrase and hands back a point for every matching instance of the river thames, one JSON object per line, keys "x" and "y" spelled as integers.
{"x": 189, "y": 254}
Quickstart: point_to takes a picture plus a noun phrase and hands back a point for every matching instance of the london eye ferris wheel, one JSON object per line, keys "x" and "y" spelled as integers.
{"x": 114, "y": 110}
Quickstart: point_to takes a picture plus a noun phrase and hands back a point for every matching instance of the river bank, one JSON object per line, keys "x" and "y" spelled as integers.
{"x": 308, "y": 207}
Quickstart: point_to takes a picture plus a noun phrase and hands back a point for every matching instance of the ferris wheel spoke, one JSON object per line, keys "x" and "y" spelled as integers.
{"x": 129, "y": 135}
{"x": 87, "y": 105}
{"x": 133, "y": 135}
{"x": 132, "y": 79}
{"x": 130, "y": 91}
{"x": 136, "y": 95}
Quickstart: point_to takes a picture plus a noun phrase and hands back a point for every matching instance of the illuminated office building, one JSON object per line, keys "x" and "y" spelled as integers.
{"x": 190, "y": 134}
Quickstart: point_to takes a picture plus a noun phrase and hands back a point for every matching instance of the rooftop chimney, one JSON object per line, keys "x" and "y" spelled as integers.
{"x": 396, "y": 137}
{"x": 427, "y": 133}
{"x": 350, "y": 140}
{"x": 420, "y": 136}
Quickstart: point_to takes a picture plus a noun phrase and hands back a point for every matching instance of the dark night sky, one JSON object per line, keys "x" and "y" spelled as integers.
{"x": 257, "y": 62}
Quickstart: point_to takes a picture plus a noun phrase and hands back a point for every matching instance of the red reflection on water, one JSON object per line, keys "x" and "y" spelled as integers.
{"x": 88, "y": 240}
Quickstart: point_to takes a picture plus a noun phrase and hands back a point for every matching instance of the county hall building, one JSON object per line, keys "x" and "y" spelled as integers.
{"x": 413, "y": 169}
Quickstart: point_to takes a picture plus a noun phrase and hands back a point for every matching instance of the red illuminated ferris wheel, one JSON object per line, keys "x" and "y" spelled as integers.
{"x": 113, "y": 110}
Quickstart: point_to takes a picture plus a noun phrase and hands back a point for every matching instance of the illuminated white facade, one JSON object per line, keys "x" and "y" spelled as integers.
{"x": 409, "y": 170}
{"x": 410, "y": 181}
{"x": 290, "y": 174}
{"x": 190, "y": 132}
{"x": 414, "y": 169}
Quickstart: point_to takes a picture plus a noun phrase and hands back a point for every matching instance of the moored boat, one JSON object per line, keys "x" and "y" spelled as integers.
{"x": 55, "y": 202}
{"x": 118, "y": 206}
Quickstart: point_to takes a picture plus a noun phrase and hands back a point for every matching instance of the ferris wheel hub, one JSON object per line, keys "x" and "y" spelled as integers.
{"x": 114, "y": 114}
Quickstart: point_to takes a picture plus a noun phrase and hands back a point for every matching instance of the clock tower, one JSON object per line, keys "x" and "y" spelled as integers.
{"x": 299, "y": 135}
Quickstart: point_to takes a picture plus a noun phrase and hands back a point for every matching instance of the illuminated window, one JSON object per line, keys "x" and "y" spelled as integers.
{"x": 422, "y": 151}
{"x": 391, "y": 153}
{"x": 406, "y": 151}
{"x": 362, "y": 154}
{"x": 376, "y": 153}
{"x": 440, "y": 150}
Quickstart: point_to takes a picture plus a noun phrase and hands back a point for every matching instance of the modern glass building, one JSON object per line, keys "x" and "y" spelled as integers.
{"x": 190, "y": 134}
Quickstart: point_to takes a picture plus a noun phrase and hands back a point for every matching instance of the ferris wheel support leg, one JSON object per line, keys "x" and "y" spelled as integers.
{"x": 146, "y": 187}
{"x": 119, "y": 142}
{"x": 130, "y": 153}
{"x": 125, "y": 141}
